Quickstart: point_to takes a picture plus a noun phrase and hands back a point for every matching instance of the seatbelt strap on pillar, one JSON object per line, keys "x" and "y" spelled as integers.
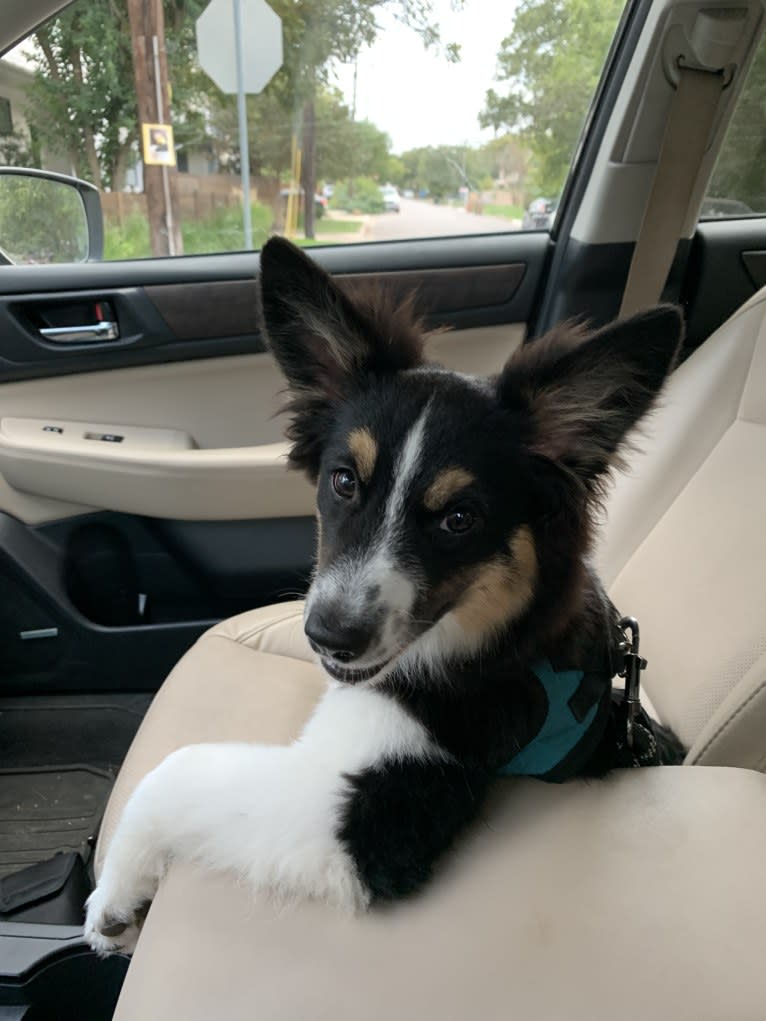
{"x": 687, "y": 130}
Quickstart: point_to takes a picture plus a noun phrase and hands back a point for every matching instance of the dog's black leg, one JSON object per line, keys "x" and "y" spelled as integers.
{"x": 402, "y": 817}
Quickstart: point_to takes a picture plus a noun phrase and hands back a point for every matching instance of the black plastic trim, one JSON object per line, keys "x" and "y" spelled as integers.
{"x": 117, "y": 599}
{"x": 83, "y": 656}
{"x": 47, "y": 971}
{"x": 720, "y": 278}
{"x": 371, "y": 257}
{"x": 593, "y": 277}
{"x": 560, "y": 299}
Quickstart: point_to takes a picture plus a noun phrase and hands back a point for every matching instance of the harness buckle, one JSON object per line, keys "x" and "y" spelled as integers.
{"x": 633, "y": 664}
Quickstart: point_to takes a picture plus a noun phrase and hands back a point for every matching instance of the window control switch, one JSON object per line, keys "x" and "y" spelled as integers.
{"x": 105, "y": 437}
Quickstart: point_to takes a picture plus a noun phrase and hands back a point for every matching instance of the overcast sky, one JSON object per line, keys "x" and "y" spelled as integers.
{"x": 416, "y": 96}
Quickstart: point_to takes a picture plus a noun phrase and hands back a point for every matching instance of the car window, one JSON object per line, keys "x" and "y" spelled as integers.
{"x": 738, "y": 185}
{"x": 382, "y": 119}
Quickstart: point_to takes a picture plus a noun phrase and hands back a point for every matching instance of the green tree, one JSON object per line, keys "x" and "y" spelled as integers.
{"x": 317, "y": 33}
{"x": 440, "y": 170}
{"x": 362, "y": 149}
{"x": 16, "y": 150}
{"x": 396, "y": 171}
{"x": 363, "y": 196}
{"x": 739, "y": 170}
{"x": 551, "y": 63}
{"x": 505, "y": 158}
{"x": 343, "y": 146}
{"x": 83, "y": 99}
{"x": 41, "y": 221}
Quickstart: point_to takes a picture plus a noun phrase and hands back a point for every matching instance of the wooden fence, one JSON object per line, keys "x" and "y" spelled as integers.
{"x": 198, "y": 197}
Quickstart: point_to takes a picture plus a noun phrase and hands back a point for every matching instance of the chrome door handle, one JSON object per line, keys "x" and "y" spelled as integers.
{"x": 95, "y": 332}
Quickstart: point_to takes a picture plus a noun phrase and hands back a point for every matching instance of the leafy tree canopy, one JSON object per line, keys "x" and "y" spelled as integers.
{"x": 739, "y": 172}
{"x": 550, "y": 64}
{"x": 41, "y": 221}
{"x": 84, "y": 100}
{"x": 343, "y": 146}
{"x": 84, "y": 95}
{"x": 442, "y": 170}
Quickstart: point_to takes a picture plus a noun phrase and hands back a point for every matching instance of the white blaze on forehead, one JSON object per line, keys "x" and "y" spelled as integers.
{"x": 345, "y": 583}
{"x": 407, "y": 464}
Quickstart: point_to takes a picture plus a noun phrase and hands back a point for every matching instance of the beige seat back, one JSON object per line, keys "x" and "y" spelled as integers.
{"x": 684, "y": 548}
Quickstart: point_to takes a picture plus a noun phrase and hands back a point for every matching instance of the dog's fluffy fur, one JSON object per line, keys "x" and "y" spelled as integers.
{"x": 455, "y": 524}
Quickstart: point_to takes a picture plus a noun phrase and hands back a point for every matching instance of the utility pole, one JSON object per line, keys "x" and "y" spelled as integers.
{"x": 353, "y": 121}
{"x": 150, "y": 68}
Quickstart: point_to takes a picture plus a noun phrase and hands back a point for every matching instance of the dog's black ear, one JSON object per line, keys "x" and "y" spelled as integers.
{"x": 324, "y": 341}
{"x": 578, "y": 393}
{"x": 327, "y": 343}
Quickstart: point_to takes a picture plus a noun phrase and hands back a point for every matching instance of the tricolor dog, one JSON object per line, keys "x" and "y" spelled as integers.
{"x": 453, "y": 608}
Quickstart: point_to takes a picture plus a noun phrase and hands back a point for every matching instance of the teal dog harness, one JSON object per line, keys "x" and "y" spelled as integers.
{"x": 562, "y": 732}
{"x": 578, "y": 707}
{"x": 581, "y": 705}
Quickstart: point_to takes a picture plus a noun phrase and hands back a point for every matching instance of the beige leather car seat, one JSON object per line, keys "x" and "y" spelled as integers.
{"x": 684, "y": 549}
{"x": 567, "y": 894}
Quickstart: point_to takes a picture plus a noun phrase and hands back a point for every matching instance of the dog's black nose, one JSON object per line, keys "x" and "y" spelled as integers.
{"x": 344, "y": 642}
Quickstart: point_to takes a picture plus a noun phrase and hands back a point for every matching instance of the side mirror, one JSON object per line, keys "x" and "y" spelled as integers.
{"x": 46, "y": 217}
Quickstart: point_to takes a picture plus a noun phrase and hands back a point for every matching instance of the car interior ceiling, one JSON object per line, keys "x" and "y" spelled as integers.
{"x": 139, "y": 588}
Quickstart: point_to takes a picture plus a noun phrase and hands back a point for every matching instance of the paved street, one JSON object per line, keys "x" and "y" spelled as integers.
{"x": 417, "y": 220}
{"x": 423, "y": 219}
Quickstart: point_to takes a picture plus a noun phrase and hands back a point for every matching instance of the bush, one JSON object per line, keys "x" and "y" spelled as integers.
{"x": 128, "y": 240}
{"x": 221, "y": 232}
{"x": 224, "y": 232}
{"x": 364, "y": 197}
{"x": 41, "y": 221}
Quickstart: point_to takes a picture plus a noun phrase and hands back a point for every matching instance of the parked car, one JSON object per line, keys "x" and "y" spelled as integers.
{"x": 391, "y": 198}
{"x": 716, "y": 209}
{"x": 540, "y": 214}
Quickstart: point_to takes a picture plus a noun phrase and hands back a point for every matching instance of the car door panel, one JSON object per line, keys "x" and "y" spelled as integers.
{"x": 232, "y": 463}
{"x": 192, "y": 515}
{"x": 755, "y": 264}
{"x": 49, "y": 644}
{"x": 188, "y": 308}
{"x": 727, "y": 266}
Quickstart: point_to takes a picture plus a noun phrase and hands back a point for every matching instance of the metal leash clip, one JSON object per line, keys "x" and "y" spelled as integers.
{"x": 633, "y": 664}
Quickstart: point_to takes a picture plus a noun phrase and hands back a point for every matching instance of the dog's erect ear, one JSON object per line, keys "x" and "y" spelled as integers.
{"x": 325, "y": 342}
{"x": 580, "y": 393}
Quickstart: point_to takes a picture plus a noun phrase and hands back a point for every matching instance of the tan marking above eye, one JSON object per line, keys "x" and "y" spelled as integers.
{"x": 364, "y": 450}
{"x": 502, "y": 589}
{"x": 447, "y": 484}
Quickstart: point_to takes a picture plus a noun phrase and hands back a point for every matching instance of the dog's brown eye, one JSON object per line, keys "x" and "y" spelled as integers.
{"x": 344, "y": 483}
{"x": 458, "y": 521}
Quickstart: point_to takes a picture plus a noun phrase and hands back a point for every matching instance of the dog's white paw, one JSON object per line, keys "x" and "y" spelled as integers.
{"x": 113, "y": 923}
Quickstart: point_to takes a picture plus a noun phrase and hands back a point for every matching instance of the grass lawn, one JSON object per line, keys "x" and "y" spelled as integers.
{"x": 511, "y": 212}
{"x": 221, "y": 232}
{"x": 329, "y": 226}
